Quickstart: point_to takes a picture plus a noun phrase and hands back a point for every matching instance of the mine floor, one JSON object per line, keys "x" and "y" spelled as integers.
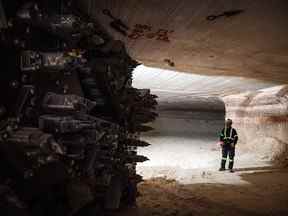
{"x": 182, "y": 179}
{"x": 265, "y": 192}
{"x": 192, "y": 159}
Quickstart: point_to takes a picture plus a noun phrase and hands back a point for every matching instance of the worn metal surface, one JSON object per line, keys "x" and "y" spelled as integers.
{"x": 70, "y": 119}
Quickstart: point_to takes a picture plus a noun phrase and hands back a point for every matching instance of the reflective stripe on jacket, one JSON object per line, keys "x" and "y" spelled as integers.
{"x": 229, "y": 135}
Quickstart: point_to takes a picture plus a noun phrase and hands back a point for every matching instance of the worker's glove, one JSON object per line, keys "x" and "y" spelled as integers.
{"x": 232, "y": 145}
{"x": 221, "y": 143}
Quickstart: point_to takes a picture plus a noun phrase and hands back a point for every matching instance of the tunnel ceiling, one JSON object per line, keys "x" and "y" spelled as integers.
{"x": 249, "y": 44}
{"x": 175, "y": 86}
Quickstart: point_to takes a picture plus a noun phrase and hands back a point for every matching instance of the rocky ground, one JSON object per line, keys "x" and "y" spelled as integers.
{"x": 264, "y": 193}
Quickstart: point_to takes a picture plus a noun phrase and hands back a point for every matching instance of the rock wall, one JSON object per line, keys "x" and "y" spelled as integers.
{"x": 177, "y": 35}
{"x": 261, "y": 118}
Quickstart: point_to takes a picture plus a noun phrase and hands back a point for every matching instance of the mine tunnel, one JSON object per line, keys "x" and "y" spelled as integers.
{"x": 146, "y": 108}
{"x": 192, "y": 110}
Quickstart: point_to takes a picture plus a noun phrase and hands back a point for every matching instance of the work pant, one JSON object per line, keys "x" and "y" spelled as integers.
{"x": 227, "y": 150}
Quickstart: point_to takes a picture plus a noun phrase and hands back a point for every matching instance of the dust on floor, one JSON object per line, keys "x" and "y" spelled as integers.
{"x": 265, "y": 194}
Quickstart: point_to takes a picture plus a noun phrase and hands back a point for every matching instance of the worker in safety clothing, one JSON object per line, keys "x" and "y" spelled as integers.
{"x": 228, "y": 141}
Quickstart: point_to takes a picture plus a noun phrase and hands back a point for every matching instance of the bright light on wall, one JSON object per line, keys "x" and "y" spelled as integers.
{"x": 160, "y": 80}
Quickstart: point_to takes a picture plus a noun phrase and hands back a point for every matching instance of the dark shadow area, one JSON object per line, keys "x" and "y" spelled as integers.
{"x": 190, "y": 117}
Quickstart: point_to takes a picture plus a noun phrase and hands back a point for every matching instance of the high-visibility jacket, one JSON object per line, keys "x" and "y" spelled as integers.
{"x": 229, "y": 135}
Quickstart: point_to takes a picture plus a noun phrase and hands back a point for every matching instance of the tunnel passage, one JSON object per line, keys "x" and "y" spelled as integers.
{"x": 185, "y": 138}
{"x": 190, "y": 117}
{"x": 192, "y": 110}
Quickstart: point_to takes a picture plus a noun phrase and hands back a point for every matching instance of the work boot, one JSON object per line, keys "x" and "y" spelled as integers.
{"x": 231, "y": 164}
{"x": 222, "y": 169}
{"x": 231, "y": 170}
{"x": 223, "y": 163}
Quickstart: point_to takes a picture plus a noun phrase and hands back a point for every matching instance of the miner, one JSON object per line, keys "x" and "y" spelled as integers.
{"x": 228, "y": 141}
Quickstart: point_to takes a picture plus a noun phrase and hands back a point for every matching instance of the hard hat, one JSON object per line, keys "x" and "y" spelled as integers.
{"x": 228, "y": 121}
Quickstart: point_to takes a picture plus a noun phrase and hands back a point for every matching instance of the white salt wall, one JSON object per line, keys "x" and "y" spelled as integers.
{"x": 261, "y": 118}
